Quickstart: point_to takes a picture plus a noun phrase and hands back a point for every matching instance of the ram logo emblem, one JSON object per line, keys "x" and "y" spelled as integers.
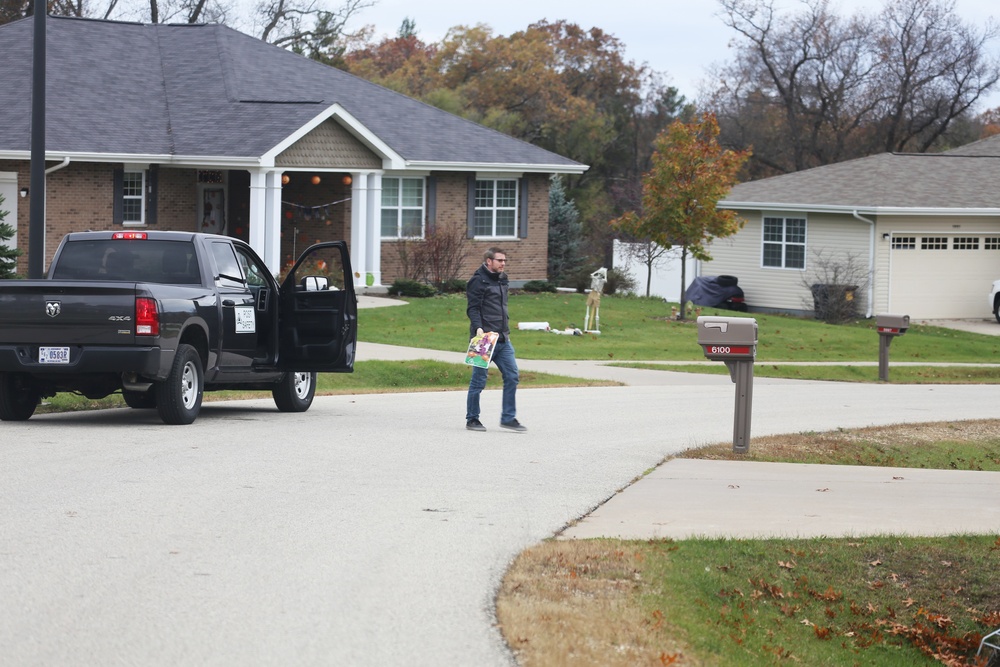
{"x": 52, "y": 308}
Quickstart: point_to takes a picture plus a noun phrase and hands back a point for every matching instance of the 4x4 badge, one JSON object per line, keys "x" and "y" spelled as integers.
{"x": 52, "y": 308}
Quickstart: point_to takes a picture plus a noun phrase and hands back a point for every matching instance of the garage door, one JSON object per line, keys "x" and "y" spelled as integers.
{"x": 942, "y": 276}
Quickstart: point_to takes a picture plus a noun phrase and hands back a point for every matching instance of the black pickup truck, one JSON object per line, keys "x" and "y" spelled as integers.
{"x": 164, "y": 316}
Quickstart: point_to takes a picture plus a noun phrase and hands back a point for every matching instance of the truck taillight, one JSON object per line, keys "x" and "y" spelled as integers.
{"x": 147, "y": 320}
{"x": 129, "y": 236}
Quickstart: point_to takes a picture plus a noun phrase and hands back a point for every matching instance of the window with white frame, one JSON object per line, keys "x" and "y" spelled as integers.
{"x": 402, "y": 208}
{"x": 784, "y": 243}
{"x": 133, "y": 201}
{"x": 496, "y": 207}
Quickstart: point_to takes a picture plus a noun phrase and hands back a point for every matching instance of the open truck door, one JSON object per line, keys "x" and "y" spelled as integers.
{"x": 318, "y": 320}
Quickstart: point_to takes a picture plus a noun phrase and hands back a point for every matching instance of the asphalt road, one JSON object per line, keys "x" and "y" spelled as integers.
{"x": 371, "y": 530}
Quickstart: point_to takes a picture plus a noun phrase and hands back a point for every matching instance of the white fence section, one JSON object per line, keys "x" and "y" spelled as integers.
{"x": 666, "y": 281}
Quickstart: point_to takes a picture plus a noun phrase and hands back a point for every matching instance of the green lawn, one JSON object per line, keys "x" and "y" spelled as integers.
{"x": 640, "y": 329}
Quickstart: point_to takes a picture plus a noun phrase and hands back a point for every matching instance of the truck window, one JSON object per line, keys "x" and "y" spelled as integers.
{"x": 252, "y": 271}
{"x": 230, "y": 274}
{"x": 139, "y": 260}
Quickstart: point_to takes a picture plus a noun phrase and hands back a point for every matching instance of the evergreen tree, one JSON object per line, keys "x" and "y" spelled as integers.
{"x": 8, "y": 255}
{"x": 565, "y": 233}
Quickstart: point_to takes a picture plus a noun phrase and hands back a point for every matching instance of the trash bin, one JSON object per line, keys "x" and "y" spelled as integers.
{"x": 834, "y": 303}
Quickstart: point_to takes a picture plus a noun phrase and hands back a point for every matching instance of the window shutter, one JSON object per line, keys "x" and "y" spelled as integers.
{"x": 472, "y": 206}
{"x": 117, "y": 205}
{"x": 431, "y": 204}
{"x": 522, "y": 214}
{"x": 152, "y": 190}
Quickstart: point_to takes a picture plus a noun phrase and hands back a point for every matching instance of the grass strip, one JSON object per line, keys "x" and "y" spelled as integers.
{"x": 845, "y": 373}
{"x": 369, "y": 377}
{"x": 874, "y": 601}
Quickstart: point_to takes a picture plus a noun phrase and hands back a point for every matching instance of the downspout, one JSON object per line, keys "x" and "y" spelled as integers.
{"x": 871, "y": 261}
{"x": 59, "y": 166}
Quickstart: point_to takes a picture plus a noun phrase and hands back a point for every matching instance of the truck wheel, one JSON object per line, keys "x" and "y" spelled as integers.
{"x": 17, "y": 402}
{"x": 996, "y": 311}
{"x": 140, "y": 400}
{"x": 178, "y": 398}
{"x": 295, "y": 392}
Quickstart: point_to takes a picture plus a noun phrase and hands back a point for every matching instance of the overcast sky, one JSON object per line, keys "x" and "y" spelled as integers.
{"x": 681, "y": 38}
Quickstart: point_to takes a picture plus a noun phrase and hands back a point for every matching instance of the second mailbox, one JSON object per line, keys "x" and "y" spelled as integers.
{"x": 892, "y": 325}
{"x": 728, "y": 338}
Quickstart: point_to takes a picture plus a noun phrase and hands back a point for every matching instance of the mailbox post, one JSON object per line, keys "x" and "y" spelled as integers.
{"x": 889, "y": 326}
{"x": 734, "y": 341}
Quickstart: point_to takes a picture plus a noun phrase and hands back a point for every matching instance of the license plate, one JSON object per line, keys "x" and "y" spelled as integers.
{"x": 53, "y": 355}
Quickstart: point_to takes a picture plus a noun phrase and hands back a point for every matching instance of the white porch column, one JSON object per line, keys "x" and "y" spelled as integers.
{"x": 272, "y": 237}
{"x": 359, "y": 226}
{"x": 258, "y": 214}
{"x": 374, "y": 230}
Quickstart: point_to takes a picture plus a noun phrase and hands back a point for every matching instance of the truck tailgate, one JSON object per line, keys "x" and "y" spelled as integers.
{"x": 47, "y": 312}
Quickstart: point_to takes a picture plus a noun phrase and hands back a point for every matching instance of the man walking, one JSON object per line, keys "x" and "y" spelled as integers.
{"x": 486, "y": 292}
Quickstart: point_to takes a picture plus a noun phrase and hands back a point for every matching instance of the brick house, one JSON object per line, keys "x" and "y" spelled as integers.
{"x": 202, "y": 128}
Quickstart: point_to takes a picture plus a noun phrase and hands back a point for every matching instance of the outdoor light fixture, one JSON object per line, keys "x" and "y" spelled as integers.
{"x": 885, "y": 236}
{"x": 24, "y": 192}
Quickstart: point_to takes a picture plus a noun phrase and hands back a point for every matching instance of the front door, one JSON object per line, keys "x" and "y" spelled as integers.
{"x": 319, "y": 312}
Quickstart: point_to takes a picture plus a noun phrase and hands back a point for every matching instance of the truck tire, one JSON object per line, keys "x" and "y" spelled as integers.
{"x": 140, "y": 400}
{"x": 17, "y": 403}
{"x": 295, "y": 392}
{"x": 178, "y": 398}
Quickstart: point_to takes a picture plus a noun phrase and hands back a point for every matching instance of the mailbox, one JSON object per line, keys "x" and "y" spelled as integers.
{"x": 734, "y": 341}
{"x": 892, "y": 325}
{"x": 728, "y": 338}
{"x": 889, "y": 326}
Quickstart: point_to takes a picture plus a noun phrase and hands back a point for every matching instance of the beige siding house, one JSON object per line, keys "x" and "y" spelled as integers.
{"x": 919, "y": 234}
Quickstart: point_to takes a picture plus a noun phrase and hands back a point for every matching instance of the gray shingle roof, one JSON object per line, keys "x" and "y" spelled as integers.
{"x": 207, "y": 90}
{"x": 988, "y": 147}
{"x": 886, "y": 181}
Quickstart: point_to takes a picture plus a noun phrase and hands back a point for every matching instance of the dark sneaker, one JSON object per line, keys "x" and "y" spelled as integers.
{"x": 513, "y": 425}
{"x": 475, "y": 425}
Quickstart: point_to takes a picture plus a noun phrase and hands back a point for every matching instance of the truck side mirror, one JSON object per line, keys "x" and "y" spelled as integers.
{"x": 315, "y": 283}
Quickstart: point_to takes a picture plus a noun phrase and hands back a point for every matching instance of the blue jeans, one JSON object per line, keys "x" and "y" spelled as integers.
{"x": 503, "y": 357}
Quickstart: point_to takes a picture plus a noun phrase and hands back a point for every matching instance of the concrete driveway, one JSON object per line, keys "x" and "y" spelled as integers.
{"x": 985, "y": 326}
{"x": 371, "y": 530}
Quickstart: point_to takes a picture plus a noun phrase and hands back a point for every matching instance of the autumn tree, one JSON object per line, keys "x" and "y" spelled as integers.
{"x": 813, "y": 88}
{"x": 554, "y": 84}
{"x": 691, "y": 172}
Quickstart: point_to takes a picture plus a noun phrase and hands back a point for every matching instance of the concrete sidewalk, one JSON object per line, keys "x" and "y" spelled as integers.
{"x": 742, "y": 499}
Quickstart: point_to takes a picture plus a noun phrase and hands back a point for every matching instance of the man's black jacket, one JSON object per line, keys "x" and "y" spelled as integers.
{"x": 487, "y": 296}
